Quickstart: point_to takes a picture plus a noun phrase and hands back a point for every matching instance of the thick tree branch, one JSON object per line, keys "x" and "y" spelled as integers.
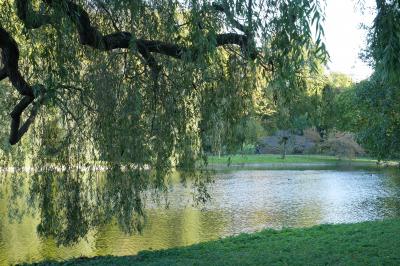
{"x": 10, "y": 57}
{"x": 3, "y": 74}
{"x": 150, "y": 61}
{"x": 91, "y": 36}
{"x": 17, "y": 132}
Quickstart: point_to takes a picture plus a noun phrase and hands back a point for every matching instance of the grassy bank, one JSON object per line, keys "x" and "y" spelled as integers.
{"x": 369, "y": 243}
{"x": 276, "y": 158}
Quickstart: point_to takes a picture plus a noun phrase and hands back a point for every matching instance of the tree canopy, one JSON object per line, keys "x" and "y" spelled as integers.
{"x": 375, "y": 102}
{"x": 137, "y": 88}
{"x": 139, "y": 81}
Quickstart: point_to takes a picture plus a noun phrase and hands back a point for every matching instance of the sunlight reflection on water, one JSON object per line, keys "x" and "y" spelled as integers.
{"x": 242, "y": 201}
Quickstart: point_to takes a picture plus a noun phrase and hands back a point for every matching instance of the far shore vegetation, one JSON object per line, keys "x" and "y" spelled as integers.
{"x": 276, "y": 158}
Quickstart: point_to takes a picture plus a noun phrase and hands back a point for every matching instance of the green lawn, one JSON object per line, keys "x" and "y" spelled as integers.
{"x": 369, "y": 243}
{"x": 276, "y": 158}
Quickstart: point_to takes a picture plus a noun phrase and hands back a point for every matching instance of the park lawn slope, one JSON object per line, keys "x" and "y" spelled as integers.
{"x": 276, "y": 158}
{"x": 368, "y": 243}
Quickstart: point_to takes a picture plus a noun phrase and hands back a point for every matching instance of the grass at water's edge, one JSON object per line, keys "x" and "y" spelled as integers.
{"x": 368, "y": 243}
{"x": 276, "y": 158}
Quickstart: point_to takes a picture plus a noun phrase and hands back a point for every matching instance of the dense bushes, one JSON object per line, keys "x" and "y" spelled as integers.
{"x": 336, "y": 143}
{"x": 341, "y": 144}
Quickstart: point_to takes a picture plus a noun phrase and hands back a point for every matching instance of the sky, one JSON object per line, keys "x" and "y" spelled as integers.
{"x": 344, "y": 38}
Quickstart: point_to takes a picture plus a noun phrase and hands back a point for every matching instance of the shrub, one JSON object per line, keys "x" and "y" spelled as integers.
{"x": 341, "y": 144}
{"x": 312, "y": 134}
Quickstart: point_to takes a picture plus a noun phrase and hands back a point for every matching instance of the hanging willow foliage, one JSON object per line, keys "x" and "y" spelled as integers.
{"x": 139, "y": 86}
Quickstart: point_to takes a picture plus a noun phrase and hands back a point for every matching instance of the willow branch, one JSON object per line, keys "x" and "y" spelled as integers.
{"x": 3, "y": 74}
{"x": 32, "y": 19}
{"x": 150, "y": 61}
{"x": 10, "y": 57}
{"x": 91, "y": 36}
{"x": 18, "y": 131}
{"x": 224, "y": 9}
{"x": 103, "y": 6}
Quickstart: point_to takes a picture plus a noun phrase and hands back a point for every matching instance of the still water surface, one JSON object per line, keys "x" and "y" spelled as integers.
{"x": 242, "y": 201}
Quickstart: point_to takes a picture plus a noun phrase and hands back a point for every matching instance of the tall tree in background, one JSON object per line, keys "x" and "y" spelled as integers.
{"x": 377, "y": 114}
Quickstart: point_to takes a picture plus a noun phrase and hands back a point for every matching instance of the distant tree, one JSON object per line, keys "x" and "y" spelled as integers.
{"x": 371, "y": 111}
{"x": 339, "y": 80}
{"x": 313, "y": 106}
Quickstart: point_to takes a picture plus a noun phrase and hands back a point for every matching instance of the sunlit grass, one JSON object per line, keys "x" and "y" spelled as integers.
{"x": 369, "y": 243}
{"x": 276, "y": 158}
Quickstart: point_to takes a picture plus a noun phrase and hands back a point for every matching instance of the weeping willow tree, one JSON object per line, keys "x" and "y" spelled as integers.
{"x": 137, "y": 86}
{"x": 375, "y": 103}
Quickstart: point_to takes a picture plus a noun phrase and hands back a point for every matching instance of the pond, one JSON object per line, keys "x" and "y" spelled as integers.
{"x": 242, "y": 200}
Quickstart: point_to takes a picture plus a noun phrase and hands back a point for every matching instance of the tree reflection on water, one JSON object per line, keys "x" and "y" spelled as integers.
{"x": 72, "y": 203}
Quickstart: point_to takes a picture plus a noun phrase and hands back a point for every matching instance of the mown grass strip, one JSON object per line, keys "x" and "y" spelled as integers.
{"x": 276, "y": 158}
{"x": 368, "y": 243}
